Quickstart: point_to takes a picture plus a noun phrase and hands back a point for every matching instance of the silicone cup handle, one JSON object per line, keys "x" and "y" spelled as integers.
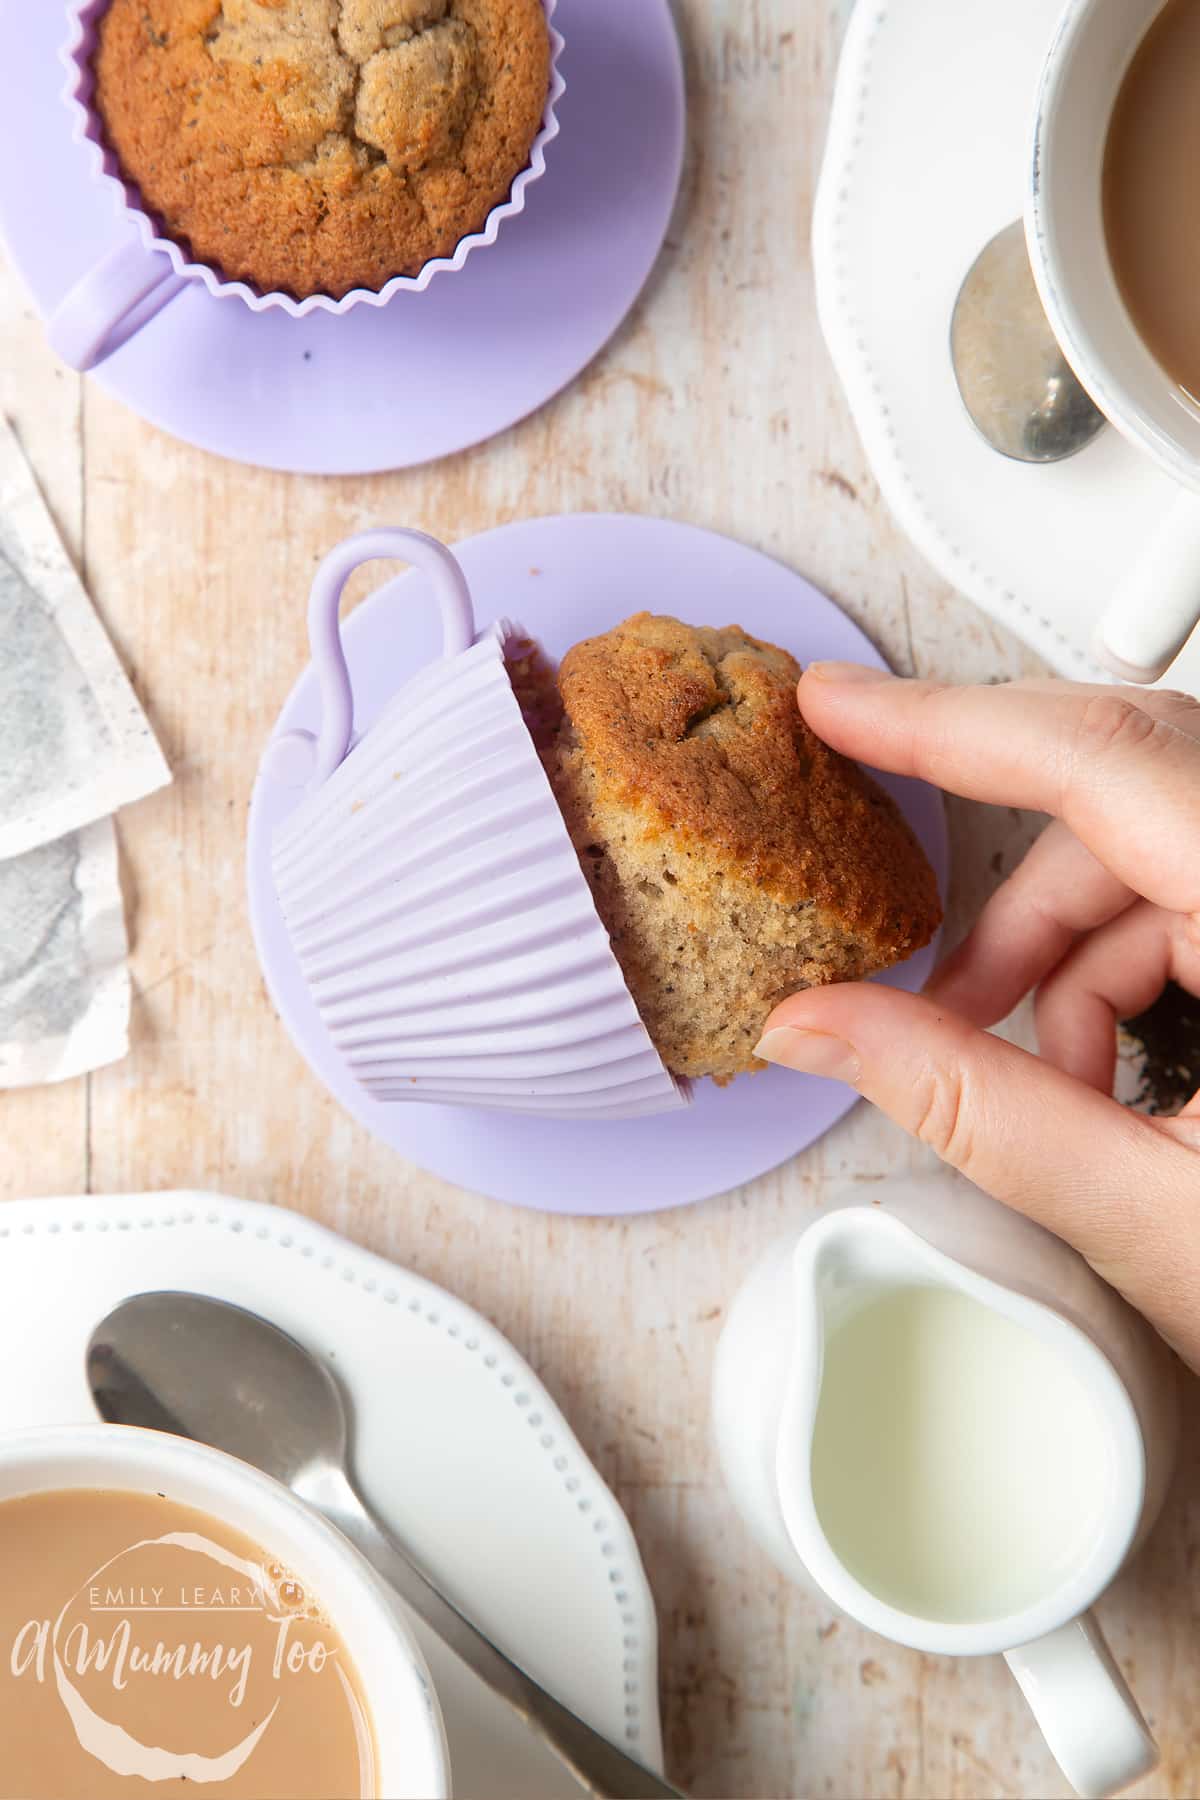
{"x": 1155, "y": 610}
{"x": 1086, "y": 1712}
{"x": 296, "y": 758}
{"x": 111, "y": 303}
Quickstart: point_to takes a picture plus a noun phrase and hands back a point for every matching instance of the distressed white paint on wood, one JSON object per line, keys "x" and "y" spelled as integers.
{"x": 715, "y": 404}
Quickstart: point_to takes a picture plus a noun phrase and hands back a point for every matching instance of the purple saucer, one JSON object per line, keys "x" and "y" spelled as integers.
{"x": 565, "y": 579}
{"x": 431, "y": 372}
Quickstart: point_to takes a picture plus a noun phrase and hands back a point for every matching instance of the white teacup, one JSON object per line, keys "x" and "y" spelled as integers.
{"x": 1157, "y": 606}
{"x": 411, "y": 1758}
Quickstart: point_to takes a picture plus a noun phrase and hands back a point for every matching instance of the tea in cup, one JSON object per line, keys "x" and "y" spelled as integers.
{"x": 174, "y": 1619}
{"x": 1150, "y": 159}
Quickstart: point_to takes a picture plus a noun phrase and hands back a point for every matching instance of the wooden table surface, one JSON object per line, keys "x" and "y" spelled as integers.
{"x": 716, "y": 404}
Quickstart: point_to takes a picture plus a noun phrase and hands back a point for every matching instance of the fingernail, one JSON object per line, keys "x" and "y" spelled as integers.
{"x": 845, "y": 672}
{"x": 810, "y": 1052}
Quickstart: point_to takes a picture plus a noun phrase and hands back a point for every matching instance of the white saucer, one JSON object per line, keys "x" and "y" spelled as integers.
{"x": 926, "y": 159}
{"x": 459, "y": 1445}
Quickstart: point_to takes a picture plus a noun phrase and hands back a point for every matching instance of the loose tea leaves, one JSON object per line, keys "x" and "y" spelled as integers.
{"x": 1161, "y": 1047}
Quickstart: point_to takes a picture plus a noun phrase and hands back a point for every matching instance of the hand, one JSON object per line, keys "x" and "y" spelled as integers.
{"x": 1104, "y": 910}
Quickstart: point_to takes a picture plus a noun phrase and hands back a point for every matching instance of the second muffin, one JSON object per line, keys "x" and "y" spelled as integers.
{"x": 316, "y": 146}
{"x": 733, "y": 856}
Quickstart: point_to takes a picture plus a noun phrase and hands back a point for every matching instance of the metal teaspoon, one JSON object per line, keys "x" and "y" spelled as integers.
{"x": 1015, "y": 382}
{"x": 207, "y": 1370}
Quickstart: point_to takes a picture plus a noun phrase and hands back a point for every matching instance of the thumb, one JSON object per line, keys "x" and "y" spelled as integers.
{"x": 1105, "y": 1179}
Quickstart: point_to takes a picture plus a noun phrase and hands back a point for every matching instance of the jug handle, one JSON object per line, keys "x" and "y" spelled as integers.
{"x": 1084, "y": 1708}
{"x": 296, "y": 758}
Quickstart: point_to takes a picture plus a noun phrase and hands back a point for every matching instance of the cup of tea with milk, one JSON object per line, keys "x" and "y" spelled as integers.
{"x": 1116, "y": 257}
{"x": 172, "y": 1621}
{"x": 937, "y": 1413}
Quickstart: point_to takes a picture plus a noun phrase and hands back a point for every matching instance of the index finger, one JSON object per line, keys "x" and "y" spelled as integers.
{"x": 1123, "y": 775}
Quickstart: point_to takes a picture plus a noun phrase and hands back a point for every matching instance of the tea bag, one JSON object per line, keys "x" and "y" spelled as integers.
{"x": 74, "y": 746}
{"x": 74, "y": 742}
{"x": 64, "y": 983}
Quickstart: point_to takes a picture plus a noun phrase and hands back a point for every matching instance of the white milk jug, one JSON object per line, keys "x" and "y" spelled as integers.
{"x": 960, "y": 1433}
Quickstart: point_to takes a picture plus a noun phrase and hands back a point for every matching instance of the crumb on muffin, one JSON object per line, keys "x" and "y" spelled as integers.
{"x": 733, "y": 856}
{"x": 315, "y": 146}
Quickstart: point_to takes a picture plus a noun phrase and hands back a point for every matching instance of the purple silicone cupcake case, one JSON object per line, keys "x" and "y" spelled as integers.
{"x": 469, "y": 355}
{"x": 433, "y": 899}
{"x": 137, "y": 279}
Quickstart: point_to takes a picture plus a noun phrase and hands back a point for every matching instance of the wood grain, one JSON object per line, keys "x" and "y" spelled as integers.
{"x": 715, "y": 404}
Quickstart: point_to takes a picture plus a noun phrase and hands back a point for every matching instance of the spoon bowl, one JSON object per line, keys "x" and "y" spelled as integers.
{"x": 1016, "y": 384}
{"x": 277, "y": 1408}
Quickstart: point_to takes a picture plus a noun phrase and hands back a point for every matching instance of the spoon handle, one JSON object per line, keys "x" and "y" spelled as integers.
{"x": 603, "y": 1769}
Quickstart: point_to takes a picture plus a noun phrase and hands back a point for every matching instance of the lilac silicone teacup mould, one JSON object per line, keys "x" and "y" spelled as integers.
{"x": 128, "y": 287}
{"x": 430, "y": 888}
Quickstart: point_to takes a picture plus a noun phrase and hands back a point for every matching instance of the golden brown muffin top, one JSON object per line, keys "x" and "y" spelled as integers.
{"x": 697, "y": 732}
{"x": 314, "y": 146}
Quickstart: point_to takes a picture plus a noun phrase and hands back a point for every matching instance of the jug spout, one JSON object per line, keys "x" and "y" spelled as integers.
{"x": 841, "y": 1263}
{"x": 853, "y": 1253}
{"x": 848, "y": 1261}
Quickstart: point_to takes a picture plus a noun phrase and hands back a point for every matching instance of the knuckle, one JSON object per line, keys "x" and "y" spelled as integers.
{"x": 944, "y": 1115}
{"x": 932, "y": 731}
{"x": 1107, "y": 722}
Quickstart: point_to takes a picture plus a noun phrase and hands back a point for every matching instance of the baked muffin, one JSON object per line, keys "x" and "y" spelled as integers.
{"x": 733, "y": 856}
{"x": 315, "y": 146}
